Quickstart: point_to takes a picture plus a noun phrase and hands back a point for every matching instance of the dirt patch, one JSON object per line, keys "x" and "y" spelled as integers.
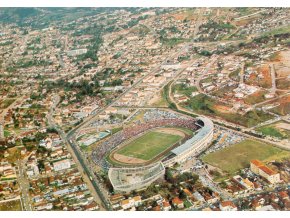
{"x": 128, "y": 160}
{"x": 264, "y": 81}
{"x": 282, "y": 64}
{"x": 188, "y": 15}
{"x": 284, "y": 105}
{"x": 283, "y": 84}
{"x": 223, "y": 109}
{"x": 283, "y": 126}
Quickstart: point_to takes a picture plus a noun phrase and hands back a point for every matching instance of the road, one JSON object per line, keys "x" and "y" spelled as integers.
{"x": 155, "y": 70}
{"x": 24, "y": 184}
{"x": 80, "y": 163}
{"x": 220, "y": 122}
{"x": 273, "y": 77}
{"x": 249, "y": 15}
{"x": 242, "y": 73}
{"x": 70, "y": 137}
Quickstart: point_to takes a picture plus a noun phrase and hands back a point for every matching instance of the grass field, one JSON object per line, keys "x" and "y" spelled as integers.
{"x": 238, "y": 156}
{"x": 149, "y": 145}
{"x": 184, "y": 89}
{"x": 11, "y": 206}
{"x": 6, "y": 133}
{"x": 275, "y": 131}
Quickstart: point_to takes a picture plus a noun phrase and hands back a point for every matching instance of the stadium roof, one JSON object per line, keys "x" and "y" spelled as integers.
{"x": 207, "y": 127}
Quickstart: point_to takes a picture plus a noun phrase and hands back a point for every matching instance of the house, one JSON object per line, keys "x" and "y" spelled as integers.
{"x": 177, "y": 202}
{"x": 166, "y": 205}
{"x": 127, "y": 203}
{"x": 111, "y": 110}
{"x": 267, "y": 208}
{"x": 244, "y": 183}
{"x": 104, "y": 116}
{"x": 116, "y": 198}
{"x": 92, "y": 206}
{"x": 256, "y": 204}
{"x": 259, "y": 168}
{"x": 228, "y": 206}
{"x": 187, "y": 192}
{"x": 157, "y": 208}
{"x": 131, "y": 202}
{"x": 284, "y": 195}
{"x": 137, "y": 201}
{"x": 61, "y": 165}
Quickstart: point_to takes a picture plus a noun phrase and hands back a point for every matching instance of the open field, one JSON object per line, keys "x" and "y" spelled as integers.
{"x": 279, "y": 129}
{"x": 158, "y": 100}
{"x": 283, "y": 83}
{"x": 238, "y": 156}
{"x": 284, "y": 106}
{"x": 255, "y": 98}
{"x": 187, "y": 14}
{"x": 149, "y": 145}
{"x": 264, "y": 81}
{"x": 208, "y": 106}
{"x": 137, "y": 117}
{"x": 184, "y": 89}
{"x": 11, "y": 206}
{"x": 278, "y": 30}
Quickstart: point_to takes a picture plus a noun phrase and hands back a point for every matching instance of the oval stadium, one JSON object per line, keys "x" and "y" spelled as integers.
{"x": 137, "y": 155}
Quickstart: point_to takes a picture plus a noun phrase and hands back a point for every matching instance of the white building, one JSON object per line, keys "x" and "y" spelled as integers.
{"x": 61, "y": 165}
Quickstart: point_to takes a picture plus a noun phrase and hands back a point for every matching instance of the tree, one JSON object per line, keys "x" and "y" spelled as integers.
{"x": 182, "y": 195}
{"x": 169, "y": 176}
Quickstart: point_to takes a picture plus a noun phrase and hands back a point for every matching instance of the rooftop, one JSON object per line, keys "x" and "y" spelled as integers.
{"x": 257, "y": 163}
{"x": 207, "y": 127}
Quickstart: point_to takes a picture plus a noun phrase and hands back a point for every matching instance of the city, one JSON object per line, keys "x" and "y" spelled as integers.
{"x": 145, "y": 109}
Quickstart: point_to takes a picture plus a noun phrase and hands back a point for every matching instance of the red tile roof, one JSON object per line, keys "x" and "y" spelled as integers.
{"x": 177, "y": 201}
{"x": 283, "y": 194}
{"x": 228, "y": 204}
{"x": 257, "y": 163}
{"x": 267, "y": 170}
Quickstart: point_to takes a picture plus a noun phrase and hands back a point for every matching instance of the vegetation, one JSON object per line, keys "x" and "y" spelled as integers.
{"x": 255, "y": 97}
{"x": 273, "y": 131}
{"x": 184, "y": 89}
{"x": 83, "y": 87}
{"x": 11, "y": 206}
{"x": 235, "y": 74}
{"x": 238, "y": 156}
{"x": 205, "y": 105}
{"x": 6, "y": 103}
{"x": 115, "y": 130}
{"x": 171, "y": 42}
{"x": 176, "y": 179}
{"x": 165, "y": 93}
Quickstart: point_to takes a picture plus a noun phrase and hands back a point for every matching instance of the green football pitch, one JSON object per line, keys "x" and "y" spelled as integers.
{"x": 149, "y": 145}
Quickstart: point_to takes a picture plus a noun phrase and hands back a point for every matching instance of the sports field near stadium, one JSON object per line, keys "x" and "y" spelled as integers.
{"x": 238, "y": 156}
{"x": 149, "y": 145}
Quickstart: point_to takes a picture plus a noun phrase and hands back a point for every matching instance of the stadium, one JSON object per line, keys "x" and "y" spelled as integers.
{"x": 137, "y": 155}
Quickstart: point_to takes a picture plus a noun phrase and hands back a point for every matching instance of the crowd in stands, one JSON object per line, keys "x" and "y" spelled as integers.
{"x": 156, "y": 114}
